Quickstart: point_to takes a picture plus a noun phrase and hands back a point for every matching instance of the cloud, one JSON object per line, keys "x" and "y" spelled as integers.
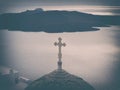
{"x": 7, "y": 4}
{"x": 92, "y": 2}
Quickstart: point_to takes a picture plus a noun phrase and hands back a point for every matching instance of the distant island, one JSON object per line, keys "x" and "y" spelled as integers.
{"x": 55, "y": 21}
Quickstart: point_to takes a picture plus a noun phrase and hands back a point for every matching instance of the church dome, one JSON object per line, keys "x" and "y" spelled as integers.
{"x": 59, "y": 80}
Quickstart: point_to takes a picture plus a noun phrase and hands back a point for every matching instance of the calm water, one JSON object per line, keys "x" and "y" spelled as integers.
{"x": 89, "y": 55}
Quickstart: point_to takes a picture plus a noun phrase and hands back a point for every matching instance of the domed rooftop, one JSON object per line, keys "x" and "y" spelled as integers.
{"x": 59, "y": 79}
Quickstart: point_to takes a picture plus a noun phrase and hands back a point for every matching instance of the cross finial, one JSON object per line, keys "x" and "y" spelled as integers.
{"x": 59, "y": 44}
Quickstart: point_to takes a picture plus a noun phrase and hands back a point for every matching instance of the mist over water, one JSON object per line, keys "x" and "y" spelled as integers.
{"x": 89, "y": 55}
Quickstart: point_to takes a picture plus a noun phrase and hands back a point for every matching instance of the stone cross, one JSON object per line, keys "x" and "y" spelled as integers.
{"x": 59, "y": 44}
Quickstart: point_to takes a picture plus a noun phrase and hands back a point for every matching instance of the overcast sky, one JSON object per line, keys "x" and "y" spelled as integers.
{"x": 6, "y": 4}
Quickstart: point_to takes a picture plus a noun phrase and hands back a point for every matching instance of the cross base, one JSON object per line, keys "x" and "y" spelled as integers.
{"x": 59, "y": 65}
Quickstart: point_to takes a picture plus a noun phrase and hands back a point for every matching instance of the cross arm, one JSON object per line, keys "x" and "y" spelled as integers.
{"x": 55, "y": 43}
{"x": 64, "y": 44}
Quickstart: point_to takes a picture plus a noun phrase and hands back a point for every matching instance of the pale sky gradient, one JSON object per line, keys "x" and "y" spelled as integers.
{"x": 21, "y": 5}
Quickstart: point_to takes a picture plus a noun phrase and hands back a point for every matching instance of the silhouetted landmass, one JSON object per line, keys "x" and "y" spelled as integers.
{"x": 55, "y": 21}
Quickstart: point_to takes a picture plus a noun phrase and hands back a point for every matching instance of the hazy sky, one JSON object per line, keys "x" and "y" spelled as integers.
{"x": 5, "y": 5}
